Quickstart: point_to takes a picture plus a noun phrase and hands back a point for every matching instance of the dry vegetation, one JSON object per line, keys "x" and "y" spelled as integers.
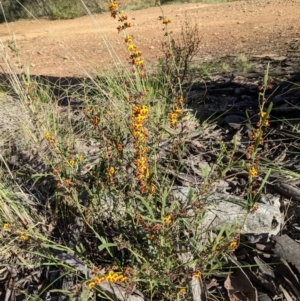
{"x": 87, "y": 201}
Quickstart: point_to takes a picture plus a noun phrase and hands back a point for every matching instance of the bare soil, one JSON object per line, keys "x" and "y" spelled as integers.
{"x": 67, "y": 47}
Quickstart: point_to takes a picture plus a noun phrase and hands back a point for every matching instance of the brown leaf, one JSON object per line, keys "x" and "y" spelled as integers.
{"x": 239, "y": 287}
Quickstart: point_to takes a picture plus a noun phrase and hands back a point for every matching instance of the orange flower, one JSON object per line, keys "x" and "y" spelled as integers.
{"x": 173, "y": 119}
{"x": 138, "y": 62}
{"x": 144, "y": 110}
{"x": 267, "y": 124}
{"x": 180, "y": 99}
{"x": 197, "y": 275}
{"x": 178, "y": 110}
{"x": 48, "y": 136}
{"x": 138, "y": 53}
{"x": 250, "y": 149}
{"x": 131, "y": 47}
{"x": 233, "y": 245}
{"x": 68, "y": 182}
{"x": 127, "y": 24}
{"x": 169, "y": 53}
{"x": 253, "y": 172}
{"x": 113, "y": 6}
{"x": 6, "y": 226}
{"x": 72, "y": 162}
{"x": 167, "y": 219}
{"x": 122, "y": 17}
{"x": 136, "y": 110}
{"x": 254, "y": 208}
{"x": 91, "y": 284}
{"x": 110, "y": 171}
{"x": 128, "y": 39}
{"x": 166, "y": 21}
{"x": 151, "y": 236}
{"x": 122, "y": 278}
{"x": 95, "y": 120}
{"x": 257, "y": 134}
{"x": 262, "y": 114}
{"x": 24, "y": 237}
{"x": 113, "y": 14}
{"x": 152, "y": 189}
{"x": 98, "y": 280}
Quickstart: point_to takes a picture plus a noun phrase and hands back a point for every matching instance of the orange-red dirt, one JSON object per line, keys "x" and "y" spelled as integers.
{"x": 249, "y": 27}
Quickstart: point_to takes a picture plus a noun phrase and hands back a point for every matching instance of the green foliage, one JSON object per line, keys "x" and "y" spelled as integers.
{"x": 64, "y": 9}
{"x": 105, "y": 173}
{"x": 55, "y": 9}
{"x": 13, "y": 11}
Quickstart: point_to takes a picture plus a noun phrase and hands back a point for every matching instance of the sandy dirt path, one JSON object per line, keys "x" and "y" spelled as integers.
{"x": 249, "y": 27}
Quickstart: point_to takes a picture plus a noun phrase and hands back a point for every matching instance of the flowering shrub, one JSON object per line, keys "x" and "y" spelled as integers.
{"x": 109, "y": 175}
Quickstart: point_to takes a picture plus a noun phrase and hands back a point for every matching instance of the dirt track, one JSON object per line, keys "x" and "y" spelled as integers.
{"x": 250, "y": 27}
